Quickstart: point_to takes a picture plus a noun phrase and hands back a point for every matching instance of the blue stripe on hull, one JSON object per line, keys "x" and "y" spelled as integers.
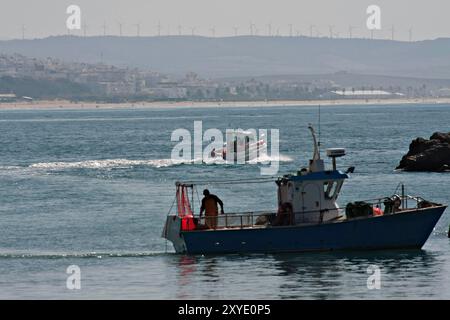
{"x": 402, "y": 230}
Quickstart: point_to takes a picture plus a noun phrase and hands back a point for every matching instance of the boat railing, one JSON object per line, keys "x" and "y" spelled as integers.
{"x": 236, "y": 220}
{"x": 253, "y": 219}
{"x": 258, "y": 219}
{"x": 317, "y": 216}
{"x": 406, "y": 201}
{"x": 386, "y": 206}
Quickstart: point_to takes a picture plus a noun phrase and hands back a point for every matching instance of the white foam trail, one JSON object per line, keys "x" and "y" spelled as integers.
{"x": 105, "y": 164}
{"x": 125, "y": 163}
{"x": 10, "y": 167}
{"x": 265, "y": 158}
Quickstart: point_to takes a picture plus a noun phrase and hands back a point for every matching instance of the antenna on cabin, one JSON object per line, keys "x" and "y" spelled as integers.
{"x": 318, "y": 142}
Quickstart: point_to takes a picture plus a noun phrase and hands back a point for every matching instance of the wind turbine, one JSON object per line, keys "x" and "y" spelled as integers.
{"x": 252, "y": 25}
{"x": 23, "y": 32}
{"x": 331, "y": 31}
{"x": 235, "y": 31}
{"x": 269, "y": 29}
{"x": 138, "y": 29}
{"x": 85, "y": 27}
{"x": 158, "y": 26}
{"x": 350, "y": 31}
{"x": 410, "y": 34}
{"x": 392, "y": 29}
{"x": 120, "y": 28}
{"x": 311, "y": 27}
{"x": 104, "y": 28}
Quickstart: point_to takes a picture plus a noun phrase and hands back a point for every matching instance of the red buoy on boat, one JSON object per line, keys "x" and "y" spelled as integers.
{"x": 377, "y": 211}
{"x": 188, "y": 223}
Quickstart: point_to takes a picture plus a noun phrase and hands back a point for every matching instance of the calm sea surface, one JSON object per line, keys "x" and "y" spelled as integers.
{"x": 92, "y": 188}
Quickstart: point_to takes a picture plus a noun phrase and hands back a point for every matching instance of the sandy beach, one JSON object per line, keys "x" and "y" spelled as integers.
{"x": 64, "y": 104}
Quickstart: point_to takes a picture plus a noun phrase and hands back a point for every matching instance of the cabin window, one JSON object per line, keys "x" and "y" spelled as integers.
{"x": 330, "y": 189}
{"x": 325, "y": 187}
{"x": 290, "y": 194}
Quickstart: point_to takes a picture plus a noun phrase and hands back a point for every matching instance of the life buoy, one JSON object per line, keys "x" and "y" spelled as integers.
{"x": 377, "y": 211}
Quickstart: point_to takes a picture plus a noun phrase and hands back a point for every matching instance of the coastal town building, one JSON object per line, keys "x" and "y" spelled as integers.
{"x": 51, "y": 78}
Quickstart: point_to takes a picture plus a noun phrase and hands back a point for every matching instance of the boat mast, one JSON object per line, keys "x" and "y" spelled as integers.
{"x": 316, "y": 154}
{"x": 315, "y": 164}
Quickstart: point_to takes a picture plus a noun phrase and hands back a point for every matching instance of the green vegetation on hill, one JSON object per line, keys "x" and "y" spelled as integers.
{"x": 43, "y": 88}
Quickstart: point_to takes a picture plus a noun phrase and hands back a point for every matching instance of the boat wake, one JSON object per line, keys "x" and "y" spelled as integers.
{"x": 157, "y": 163}
{"x": 105, "y": 164}
{"x": 266, "y": 158}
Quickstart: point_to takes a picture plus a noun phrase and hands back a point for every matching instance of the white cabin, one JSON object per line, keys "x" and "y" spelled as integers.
{"x": 312, "y": 193}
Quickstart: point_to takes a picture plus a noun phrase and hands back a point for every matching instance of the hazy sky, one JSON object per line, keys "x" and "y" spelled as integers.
{"x": 428, "y": 19}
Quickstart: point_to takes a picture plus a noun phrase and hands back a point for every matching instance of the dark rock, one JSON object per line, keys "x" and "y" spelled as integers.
{"x": 428, "y": 155}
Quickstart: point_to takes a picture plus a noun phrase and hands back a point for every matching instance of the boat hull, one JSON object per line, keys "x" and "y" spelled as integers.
{"x": 406, "y": 230}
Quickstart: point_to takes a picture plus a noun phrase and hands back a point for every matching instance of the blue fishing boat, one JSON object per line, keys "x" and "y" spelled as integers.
{"x": 308, "y": 218}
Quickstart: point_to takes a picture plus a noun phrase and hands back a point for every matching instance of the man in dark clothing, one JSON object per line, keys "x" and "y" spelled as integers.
{"x": 209, "y": 205}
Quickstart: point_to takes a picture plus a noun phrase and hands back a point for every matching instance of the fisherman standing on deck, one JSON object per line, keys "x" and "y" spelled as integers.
{"x": 209, "y": 205}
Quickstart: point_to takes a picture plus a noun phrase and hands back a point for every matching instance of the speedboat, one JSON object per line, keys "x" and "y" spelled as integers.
{"x": 240, "y": 145}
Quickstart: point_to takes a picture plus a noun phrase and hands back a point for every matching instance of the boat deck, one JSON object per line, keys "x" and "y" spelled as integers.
{"x": 271, "y": 219}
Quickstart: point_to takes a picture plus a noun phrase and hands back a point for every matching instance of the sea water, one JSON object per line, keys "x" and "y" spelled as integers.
{"x": 92, "y": 188}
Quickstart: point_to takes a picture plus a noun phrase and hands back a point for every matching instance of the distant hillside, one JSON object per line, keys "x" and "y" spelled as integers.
{"x": 248, "y": 55}
{"x": 349, "y": 80}
{"x": 44, "y": 89}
